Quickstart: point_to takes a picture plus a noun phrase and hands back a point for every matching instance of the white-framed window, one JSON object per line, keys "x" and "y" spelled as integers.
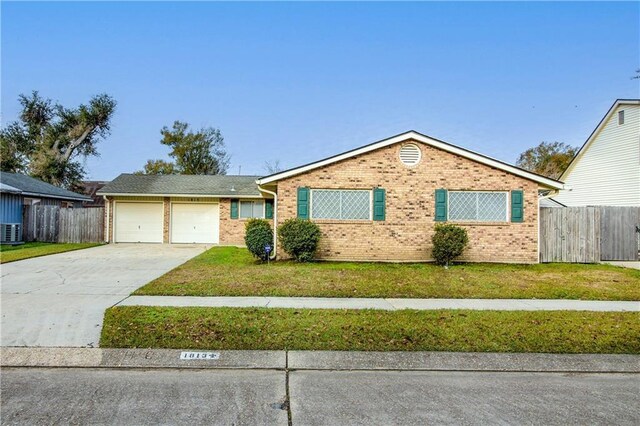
{"x": 251, "y": 209}
{"x": 478, "y": 206}
{"x": 341, "y": 204}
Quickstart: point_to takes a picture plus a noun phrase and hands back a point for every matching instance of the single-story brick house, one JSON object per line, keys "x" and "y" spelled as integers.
{"x": 377, "y": 202}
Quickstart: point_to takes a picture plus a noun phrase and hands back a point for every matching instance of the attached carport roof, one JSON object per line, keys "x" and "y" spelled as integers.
{"x": 183, "y": 185}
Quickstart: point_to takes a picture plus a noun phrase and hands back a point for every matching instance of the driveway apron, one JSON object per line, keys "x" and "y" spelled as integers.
{"x": 59, "y": 300}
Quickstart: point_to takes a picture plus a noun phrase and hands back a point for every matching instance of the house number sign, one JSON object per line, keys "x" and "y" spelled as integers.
{"x": 199, "y": 355}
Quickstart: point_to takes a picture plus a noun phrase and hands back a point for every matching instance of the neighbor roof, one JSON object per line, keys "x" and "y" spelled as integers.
{"x": 596, "y": 132}
{"x": 34, "y": 187}
{"x": 8, "y": 188}
{"x": 418, "y": 137}
{"x": 177, "y": 185}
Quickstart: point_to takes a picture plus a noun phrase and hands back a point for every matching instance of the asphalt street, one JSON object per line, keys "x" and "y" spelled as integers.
{"x": 245, "y": 396}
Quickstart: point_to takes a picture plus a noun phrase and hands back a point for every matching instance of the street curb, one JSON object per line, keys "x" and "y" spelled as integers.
{"x": 137, "y": 358}
{"x": 319, "y": 360}
{"x": 464, "y": 361}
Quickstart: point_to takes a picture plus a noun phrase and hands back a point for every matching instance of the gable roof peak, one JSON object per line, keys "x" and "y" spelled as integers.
{"x": 422, "y": 138}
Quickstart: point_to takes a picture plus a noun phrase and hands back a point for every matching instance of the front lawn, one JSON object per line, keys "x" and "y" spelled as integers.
{"x": 28, "y": 250}
{"x": 231, "y": 271}
{"x": 369, "y": 330}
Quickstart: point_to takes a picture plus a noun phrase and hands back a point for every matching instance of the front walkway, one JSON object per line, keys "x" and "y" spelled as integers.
{"x": 385, "y": 304}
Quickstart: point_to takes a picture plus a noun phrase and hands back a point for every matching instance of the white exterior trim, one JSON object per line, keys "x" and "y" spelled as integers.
{"x": 418, "y": 137}
{"x": 121, "y": 194}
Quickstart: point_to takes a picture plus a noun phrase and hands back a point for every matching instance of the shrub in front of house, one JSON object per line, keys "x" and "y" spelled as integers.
{"x": 299, "y": 238}
{"x": 449, "y": 241}
{"x": 258, "y": 234}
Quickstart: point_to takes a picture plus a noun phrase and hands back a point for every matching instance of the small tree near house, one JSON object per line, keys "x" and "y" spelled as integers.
{"x": 449, "y": 241}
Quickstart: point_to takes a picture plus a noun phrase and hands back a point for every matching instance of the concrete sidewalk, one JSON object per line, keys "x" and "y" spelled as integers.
{"x": 384, "y": 304}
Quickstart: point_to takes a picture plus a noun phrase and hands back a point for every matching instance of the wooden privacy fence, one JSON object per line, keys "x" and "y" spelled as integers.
{"x": 620, "y": 233}
{"x": 54, "y": 224}
{"x": 589, "y": 234}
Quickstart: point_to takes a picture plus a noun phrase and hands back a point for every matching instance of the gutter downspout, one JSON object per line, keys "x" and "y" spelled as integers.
{"x": 106, "y": 219}
{"x": 272, "y": 256}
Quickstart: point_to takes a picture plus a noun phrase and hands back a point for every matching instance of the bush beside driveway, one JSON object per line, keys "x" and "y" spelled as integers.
{"x": 232, "y": 271}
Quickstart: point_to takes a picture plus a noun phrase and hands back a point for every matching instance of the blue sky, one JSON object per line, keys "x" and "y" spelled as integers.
{"x": 301, "y": 81}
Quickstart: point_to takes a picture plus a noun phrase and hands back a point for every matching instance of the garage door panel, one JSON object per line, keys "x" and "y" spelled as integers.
{"x": 139, "y": 222}
{"x": 194, "y": 223}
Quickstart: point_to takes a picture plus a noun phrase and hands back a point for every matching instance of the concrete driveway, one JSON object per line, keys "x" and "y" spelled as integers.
{"x": 59, "y": 300}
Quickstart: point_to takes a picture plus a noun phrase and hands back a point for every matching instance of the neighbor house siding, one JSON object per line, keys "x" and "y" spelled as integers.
{"x": 10, "y": 208}
{"x": 405, "y": 234}
{"x": 607, "y": 172}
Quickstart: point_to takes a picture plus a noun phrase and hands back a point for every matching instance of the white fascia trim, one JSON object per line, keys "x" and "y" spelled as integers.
{"x": 120, "y": 194}
{"x": 426, "y": 140}
{"x": 596, "y": 133}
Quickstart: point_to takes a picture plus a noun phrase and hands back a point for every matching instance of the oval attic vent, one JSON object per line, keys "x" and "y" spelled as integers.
{"x": 410, "y": 154}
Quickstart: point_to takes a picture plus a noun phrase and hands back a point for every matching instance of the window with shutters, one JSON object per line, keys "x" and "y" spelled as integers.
{"x": 477, "y": 206}
{"x": 343, "y": 204}
{"x": 251, "y": 209}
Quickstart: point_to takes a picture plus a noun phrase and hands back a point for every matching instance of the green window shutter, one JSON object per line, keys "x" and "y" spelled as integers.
{"x": 234, "y": 209}
{"x": 441, "y": 205}
{"x": 303, "y": 203}
{"x": 379, "y": 201}
{"x": 268, "y": 209}
{"x": 517, "y": 206}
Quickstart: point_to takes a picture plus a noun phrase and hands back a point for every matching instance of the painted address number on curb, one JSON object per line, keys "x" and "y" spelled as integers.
{"x": 199, "y": 355}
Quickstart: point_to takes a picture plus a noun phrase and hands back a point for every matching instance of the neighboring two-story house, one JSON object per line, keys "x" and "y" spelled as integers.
{"x": 606, "y": 170}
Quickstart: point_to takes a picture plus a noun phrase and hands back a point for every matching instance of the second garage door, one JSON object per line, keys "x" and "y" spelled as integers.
{"x": 194, "y": 223}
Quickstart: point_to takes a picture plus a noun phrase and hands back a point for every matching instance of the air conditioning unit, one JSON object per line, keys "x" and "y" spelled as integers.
{"x": 10, "y": 233}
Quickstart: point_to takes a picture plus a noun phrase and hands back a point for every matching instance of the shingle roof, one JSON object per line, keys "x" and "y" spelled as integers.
{"x": 211, "y": 185}
{"x": 32, "y": 186}
{"x": 8, "y": 188}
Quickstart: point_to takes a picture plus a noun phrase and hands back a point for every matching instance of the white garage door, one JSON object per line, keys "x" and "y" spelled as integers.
{"x": 139, "y": 222}
{"x": 194, "y": 223}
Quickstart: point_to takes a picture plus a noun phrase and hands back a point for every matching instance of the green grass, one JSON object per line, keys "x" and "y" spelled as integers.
{"x": 407, "y": 330}
{"x": 231, "y": 271}
{"x": 28, "y": 250}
